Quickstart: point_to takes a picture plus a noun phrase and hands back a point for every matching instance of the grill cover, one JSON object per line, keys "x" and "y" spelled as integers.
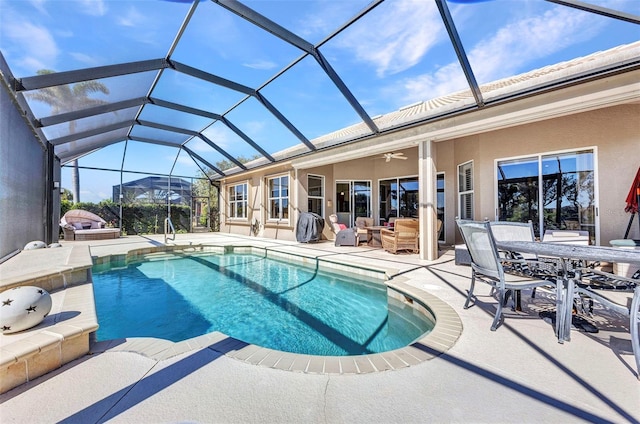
{"x": 309, "y": 228}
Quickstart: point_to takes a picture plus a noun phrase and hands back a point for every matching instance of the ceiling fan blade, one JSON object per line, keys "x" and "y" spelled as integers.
{"x": 387, "y": 159}
{"x": 401, "y": 157}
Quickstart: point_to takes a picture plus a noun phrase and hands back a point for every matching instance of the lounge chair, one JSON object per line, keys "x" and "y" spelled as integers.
{"x": 344, "y": 236}
{"x": 78, "y": 224}
{"x": 567, "y": 236}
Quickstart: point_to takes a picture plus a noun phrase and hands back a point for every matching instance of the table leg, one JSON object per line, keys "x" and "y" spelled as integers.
{"x": 560, "y": 294}
{"x": 564, "y": 306}
{"x": 568, "y": 309}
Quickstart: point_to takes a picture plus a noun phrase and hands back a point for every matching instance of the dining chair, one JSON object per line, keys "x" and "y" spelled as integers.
{"x": 523, "y": 263}
{"x": 515, "y": 262}
{"x": 486, "y": 266}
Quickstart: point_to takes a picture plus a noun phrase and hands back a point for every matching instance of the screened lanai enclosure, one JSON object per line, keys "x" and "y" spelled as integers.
{"x": 97, "y": 95}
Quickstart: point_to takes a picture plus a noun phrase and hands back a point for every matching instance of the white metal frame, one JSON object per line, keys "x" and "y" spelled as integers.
{"x": 232, "y": 204}
{"x": 323, "y": 187}
{"x": 466, "y": 192}
{"x": 268, "y": 180}
{"x": 538, "y": 156}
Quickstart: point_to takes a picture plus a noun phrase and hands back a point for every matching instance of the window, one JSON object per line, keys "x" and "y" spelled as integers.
{"x": 315, "y": 193}
{"x": 278, "y": 200}
{"x": 465, "y": 190}
{"x": 399, "y": 197}
{"x": 554, "y": 191}
{"x": 238, "y": 195}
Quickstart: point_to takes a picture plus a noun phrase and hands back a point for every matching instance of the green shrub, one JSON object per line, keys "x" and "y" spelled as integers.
{"x": 136, "y": 219}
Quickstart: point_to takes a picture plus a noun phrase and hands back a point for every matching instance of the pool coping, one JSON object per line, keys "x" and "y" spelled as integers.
{"x": 64, "y": 335}
{"x": 444, "y": 335}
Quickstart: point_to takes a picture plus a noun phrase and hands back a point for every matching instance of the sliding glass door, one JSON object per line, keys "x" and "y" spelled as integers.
{"x": 554, "y": 191}
{"x": 353, "y": 199}
{"x": 399, "y": 197}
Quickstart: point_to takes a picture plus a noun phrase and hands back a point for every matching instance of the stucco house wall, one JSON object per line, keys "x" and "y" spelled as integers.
{"x": 613, "y": 132}
{"x": 603, "y": 115}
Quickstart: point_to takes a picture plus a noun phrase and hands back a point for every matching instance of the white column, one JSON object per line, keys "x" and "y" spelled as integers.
{"x": 428, "y": 212}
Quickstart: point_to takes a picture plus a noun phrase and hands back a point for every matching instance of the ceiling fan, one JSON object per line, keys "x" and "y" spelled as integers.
{"x": 389, "y": 156}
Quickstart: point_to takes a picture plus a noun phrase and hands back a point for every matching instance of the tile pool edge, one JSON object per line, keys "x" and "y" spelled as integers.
{"x": 320, "y": 262}
{"x": 444, "y": 335}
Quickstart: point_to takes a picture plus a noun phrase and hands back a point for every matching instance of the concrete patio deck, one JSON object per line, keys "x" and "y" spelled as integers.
{"x": 519, "y": 373}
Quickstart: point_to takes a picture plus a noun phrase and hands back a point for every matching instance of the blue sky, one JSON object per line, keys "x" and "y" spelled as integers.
{"x": 397, "y": 55}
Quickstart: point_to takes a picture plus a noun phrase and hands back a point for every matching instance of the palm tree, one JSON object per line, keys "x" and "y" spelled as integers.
{"x": 67, "y": 98}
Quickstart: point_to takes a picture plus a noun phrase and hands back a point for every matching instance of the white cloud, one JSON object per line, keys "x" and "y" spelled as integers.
{"x": 506, "y": 52}
{"x": 40, "y": 6}
{"x": 254, "y": 129}
{"x": 197, "y": 145}
{"x": 132, "y": 18}
{"x": 402, "y": 37}
{"x": 63, "y": 32}
{"x": 93, "y": 7}
{"x": 84, "y": 58}
{"x": 447, "y": 79}
{"x": 185, "y": 160}
{"x": 218, "y": 135}
{"x": 36, "y": 43}
{"x": 321, "y": 19}
{"x": 260, "y": 64}
{"x": 530, "y": 39}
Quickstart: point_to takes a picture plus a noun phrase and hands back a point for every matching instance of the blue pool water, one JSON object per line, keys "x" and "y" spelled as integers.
{"x": 254, "y": 299}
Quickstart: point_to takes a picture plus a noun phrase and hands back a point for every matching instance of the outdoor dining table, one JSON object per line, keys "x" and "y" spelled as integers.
{"x": 567, "y": 253}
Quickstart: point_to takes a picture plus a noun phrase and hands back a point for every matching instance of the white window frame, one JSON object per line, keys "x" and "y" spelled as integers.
{"x": 279, "y": 198}
{"x": 233, "y": 203}
{"x": 538, "y": 156}
{"x": 322, "y": 188}
{"x": 443, "y": 232}
{"x": 466, "y": 193}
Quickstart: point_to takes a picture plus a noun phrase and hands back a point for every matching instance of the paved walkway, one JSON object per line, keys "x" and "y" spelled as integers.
{"x": 518, "y": 373}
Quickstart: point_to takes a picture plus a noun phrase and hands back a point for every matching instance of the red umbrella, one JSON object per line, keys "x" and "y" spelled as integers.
{"x": 633, "y": 198}
{"x": 634, "y": 193}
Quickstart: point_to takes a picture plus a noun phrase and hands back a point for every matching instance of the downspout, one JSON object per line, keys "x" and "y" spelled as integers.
{"x": 49, "y": 225}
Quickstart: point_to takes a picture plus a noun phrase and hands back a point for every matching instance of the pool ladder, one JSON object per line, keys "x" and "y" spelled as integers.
{"x": 168, "y": 229}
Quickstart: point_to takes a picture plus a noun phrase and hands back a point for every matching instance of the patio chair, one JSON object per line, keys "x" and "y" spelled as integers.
{"x": 577, "y": 237}
{"x": 362, "y": 222}
{"x": 404, "y": 236}
{"x": 486, "y": 266}
{"x": 514, "y": 262}
{"x": 344, "y": 236}
{"x": 521, "y": 263}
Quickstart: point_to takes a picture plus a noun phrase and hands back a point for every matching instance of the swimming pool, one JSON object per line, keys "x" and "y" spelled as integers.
{"x": 253, "y": 298}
